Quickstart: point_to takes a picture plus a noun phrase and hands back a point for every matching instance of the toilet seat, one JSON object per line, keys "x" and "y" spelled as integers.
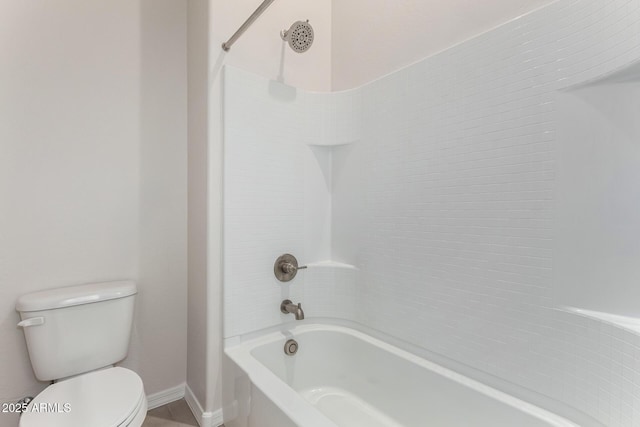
{"x": 112, "y": 397}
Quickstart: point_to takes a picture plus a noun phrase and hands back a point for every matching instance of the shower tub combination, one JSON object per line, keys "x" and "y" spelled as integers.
{"x": 343, "y": 377}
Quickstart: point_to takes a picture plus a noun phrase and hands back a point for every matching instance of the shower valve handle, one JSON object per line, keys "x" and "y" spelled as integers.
{"x": 289, "y": 268}
{"x": 286, "y": 267}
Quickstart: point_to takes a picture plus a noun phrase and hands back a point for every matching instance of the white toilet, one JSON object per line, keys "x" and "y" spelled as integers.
{"x": 74, "y": 336}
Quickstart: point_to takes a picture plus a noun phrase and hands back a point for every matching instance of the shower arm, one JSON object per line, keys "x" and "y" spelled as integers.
{"x": 255, "y": 15}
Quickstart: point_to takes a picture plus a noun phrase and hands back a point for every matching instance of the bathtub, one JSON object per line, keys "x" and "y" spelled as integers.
{"x": 344, "y": 377}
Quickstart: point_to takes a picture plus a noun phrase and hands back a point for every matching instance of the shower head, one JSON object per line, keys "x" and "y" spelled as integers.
{"x": 299, "y": 36}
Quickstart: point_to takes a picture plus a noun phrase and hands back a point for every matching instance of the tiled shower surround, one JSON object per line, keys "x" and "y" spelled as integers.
{"x": 424, "y": 204}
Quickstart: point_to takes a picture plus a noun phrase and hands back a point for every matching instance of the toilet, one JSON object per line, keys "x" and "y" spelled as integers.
{"x": 75, "y": 335}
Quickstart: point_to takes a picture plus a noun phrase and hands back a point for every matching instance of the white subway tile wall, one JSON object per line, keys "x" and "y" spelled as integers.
{"x": 437, "y": 183}
{"x": 278, "y": 179}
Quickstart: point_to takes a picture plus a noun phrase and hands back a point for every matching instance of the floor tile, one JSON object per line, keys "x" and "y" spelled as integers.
{"x": 152, "y": 421}
{"x": 161, "y": 412}
{"x": 174, "y": 414}
{"x": 181, "y": 412}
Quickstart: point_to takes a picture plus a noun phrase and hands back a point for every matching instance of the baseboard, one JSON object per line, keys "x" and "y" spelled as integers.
{"x": 165, "y": 396}
{"x": 205, "y": 419}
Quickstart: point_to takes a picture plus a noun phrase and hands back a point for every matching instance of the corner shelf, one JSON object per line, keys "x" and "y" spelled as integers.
{"x": 631, "y": 324}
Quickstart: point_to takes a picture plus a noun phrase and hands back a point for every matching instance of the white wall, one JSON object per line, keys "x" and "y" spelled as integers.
{"x": 198, "y": 114}
{"x": 93, "y": 169}
{"x": 279, "y": 144}
{"x": 457, "y": 174}
{"x": 372, "y": 38}
{"x": 262, "y": 51}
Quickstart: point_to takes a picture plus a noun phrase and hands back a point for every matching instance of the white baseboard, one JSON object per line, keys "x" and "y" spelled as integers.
{"x": 205, "y": 419}
{"x": 165, "y": 396}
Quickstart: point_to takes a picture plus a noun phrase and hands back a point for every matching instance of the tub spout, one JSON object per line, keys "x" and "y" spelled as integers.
{"x": 288, "y": 307}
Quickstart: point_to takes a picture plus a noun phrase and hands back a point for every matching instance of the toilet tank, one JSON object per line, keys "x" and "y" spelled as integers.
{"x": 77, "y": 329}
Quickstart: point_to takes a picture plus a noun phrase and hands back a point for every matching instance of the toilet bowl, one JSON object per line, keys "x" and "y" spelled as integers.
{"x": 112, "y": 397}
{"x": 74, "y": 336}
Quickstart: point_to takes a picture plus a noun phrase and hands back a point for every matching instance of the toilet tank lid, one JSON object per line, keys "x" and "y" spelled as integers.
{"x": 75, "y": 295}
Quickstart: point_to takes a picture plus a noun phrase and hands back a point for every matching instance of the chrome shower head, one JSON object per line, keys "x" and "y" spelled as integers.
{"x": 299, "y": 36}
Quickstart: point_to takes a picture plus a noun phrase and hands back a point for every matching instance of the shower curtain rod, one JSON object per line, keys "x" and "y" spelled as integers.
{"x": 265, "y": 4}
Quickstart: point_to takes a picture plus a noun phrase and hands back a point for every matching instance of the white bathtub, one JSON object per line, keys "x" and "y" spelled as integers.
{"x": 343, "y": 377}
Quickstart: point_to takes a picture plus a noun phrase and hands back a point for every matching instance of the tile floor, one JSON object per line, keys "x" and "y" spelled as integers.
{"x": 174, "y": 414}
